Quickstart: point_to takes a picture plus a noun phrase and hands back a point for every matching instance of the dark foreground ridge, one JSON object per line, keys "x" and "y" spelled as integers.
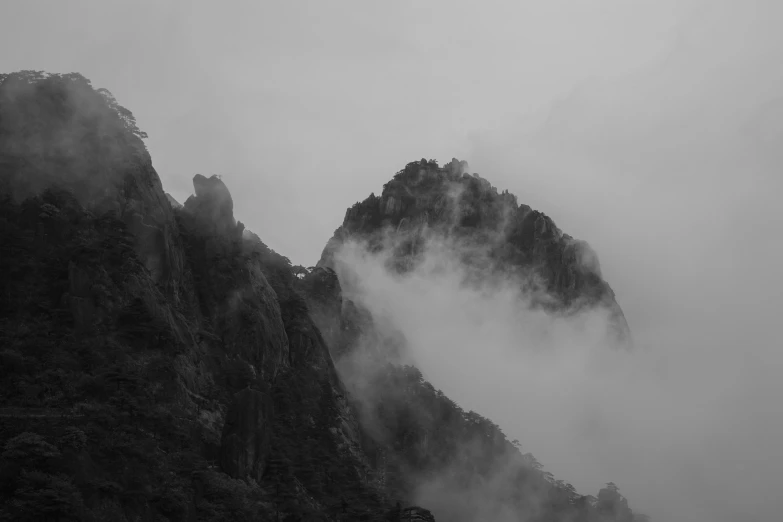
{"x": 159, "y": 362}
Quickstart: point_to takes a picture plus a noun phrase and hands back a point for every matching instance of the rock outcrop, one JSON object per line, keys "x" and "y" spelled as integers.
{"x": 214, "y": 207}
{"x": 233, "y": 291}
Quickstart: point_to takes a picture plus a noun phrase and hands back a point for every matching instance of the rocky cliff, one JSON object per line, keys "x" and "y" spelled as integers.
{"x": 168, "y": 342}
{"x": 159, "y": 362}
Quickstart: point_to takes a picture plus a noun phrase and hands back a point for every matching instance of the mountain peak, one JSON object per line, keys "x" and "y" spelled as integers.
{"x": 426, "y": 200}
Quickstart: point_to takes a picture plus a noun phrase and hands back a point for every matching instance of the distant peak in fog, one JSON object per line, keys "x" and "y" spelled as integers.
{"x": 426, "y": 204}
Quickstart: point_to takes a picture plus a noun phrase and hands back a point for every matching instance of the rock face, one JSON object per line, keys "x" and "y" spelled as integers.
{"x": 246, "y": 439}
{"x": 233, "y": 290}
{"x": 449, "y": 203}
{"x": 184, "y": 339}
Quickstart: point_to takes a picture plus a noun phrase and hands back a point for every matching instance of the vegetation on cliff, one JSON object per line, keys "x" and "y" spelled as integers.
{"x": 163, "y": 363}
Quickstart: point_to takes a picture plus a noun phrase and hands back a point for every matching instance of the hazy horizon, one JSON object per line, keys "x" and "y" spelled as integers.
{"x": 650, "y": 129}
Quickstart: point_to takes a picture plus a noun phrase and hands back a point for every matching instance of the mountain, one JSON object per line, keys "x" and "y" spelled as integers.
{"x": 489, "y": 231}
{"x": 458, "y": 463}
{"x": 160, "y": 362}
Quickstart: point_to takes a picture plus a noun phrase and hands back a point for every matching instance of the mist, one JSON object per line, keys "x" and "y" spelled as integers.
{"x": 672, "y": 174}
{"x": 661, "y": 149}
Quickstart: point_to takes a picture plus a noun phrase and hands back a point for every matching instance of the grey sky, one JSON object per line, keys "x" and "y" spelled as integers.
{"x": 651, "y": 129}
{"x": 305, "y": 107}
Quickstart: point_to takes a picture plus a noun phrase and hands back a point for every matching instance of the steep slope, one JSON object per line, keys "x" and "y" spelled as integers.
{"x": 157, "y": 363}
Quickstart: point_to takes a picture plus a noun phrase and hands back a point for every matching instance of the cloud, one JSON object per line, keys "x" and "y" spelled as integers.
{"x": 549, "y": 378}
{"x": 672, "y": 174}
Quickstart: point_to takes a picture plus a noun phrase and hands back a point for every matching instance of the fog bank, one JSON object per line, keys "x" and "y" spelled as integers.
{"x": 672, "y": 174}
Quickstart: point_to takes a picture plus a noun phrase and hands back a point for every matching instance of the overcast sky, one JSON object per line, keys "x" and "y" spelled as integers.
{"x": 651, "y": 129}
